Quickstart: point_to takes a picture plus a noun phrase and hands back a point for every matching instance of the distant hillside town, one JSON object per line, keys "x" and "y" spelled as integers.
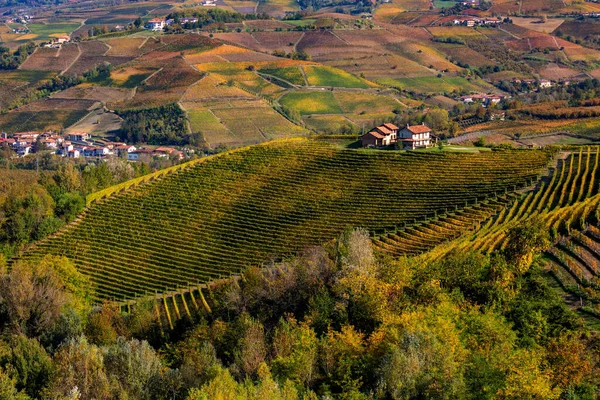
{"x": 81, "y": 145}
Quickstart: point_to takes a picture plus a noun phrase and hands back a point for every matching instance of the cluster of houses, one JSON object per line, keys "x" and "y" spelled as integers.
{"x": 486, "y": 100}
{"x": 23, "y": 143}
{"x": 540, "y": 83}
{"x": 410, "y": 137}
{"x": 57, "y": 42}
{"x": 76, "y": 145}
{"x": 473, "y": 21}
{"x": 158, "y": 24}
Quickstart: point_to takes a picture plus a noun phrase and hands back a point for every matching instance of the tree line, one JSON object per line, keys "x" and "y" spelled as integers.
{"x": 338, "y": 321}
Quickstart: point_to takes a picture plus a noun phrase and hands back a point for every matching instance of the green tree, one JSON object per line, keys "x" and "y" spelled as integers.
{"x": 132, "y": 366}
{"x": 26, "y": 361}
{"x": 79, "y": 365}
{"x": 295, "y": 350}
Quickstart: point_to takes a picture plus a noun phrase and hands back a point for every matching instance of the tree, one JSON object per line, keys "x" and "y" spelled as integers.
{"x": 132, "y": 368}
{"x": 252, "y": 350}
{"x": 27, "y": 363}
{"x": 33, "y": 295}
{"x": 79, "y": 365}
{"x": 295, "y": 350}
{"x": 524, "y": 241}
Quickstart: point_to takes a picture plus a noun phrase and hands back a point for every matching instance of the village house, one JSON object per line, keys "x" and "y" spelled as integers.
{"x": 78, "y": 136}
{"x": 209, "y": 3}
{"x": 414, "y": 136}
{"x": 123, "y": 148}
{"x": 382, "y": 136}
{"x": 485, "y": 99}
{"x": 472, "y": 21}
{"x": 73, "y": 153}
{"x": 156, "y": 24}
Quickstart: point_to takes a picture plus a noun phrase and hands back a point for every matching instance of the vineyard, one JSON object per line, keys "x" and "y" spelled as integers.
{"x": 224, "y": 213}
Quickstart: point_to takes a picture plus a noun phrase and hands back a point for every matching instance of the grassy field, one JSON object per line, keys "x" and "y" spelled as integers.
{"x": 438, "y": 85}
{"x": 328, "y": 76}
{"x": 312, "y": 102}
{"x": 290, "y": 74}
{"x": 52, "y": 29}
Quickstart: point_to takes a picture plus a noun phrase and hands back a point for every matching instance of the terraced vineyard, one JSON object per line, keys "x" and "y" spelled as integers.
{"x": 218, "y": 216}
{"x": 574, "y": 181}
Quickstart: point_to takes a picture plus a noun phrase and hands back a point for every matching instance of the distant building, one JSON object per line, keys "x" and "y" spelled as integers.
{"x": 78, "y": 136}
{"x": 156, "y": 24}
{"x": 414, "y": 136}
{"x": 382, "y": 136}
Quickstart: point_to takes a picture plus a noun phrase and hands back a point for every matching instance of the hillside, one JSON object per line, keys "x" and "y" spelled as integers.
{"x": 246, "y": 207}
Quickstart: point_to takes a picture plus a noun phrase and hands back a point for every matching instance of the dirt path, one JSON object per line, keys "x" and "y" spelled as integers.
{"x": 74, "y": 61}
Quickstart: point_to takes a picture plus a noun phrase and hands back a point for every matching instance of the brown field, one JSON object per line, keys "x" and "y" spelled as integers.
{"x": 125, "y": 46}
{"x": 57, "y": 105}
{"x": 211, "y": 88}
{"x": 442, "y": 102}
{"x": 267, "y": 24}
{"x": 382, "y": 66}
{"x": 534, "y": 24}
{"x": 95, "y": 93}
{"x": 243, "y": 39}
{"x": 557, "y": 72}
{"x": 44, "y": 59}
{"x": 424, "y": 20}
{"x": 166, "y": 86}
{"x": 277, "y": 40}
{"x": 425, "y": 55}
{"x": 580, "y": 29}
{"x": 453, "y": 31}
{"x": 320, "y": 42}
{"x": 504, "y": 6}
{"x": 463, "y": 54}
{"x": 97, "y": 122}
{"x": 541, "y": 5}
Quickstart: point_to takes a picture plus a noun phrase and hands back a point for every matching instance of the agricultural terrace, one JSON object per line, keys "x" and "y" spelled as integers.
{"x": 250, "y": 205}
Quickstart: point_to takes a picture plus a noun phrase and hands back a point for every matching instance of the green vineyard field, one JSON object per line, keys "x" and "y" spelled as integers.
{"x": 214, "y": 218}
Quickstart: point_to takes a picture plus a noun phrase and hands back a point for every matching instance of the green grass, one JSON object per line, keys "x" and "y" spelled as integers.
{"x": 357, "y": 103}
{"x": 26, "y": 75}
{"x": 45, "y": 31}
{"x": 224, "y": 213}
{"x": 444, "y": 3}
{"x": 432, "y": 84}
{"x": 328, "y": 123}
{"x": 290, "y": 74}
{"x": 311, "y": 102}
{"x": 301, "y": 22}
{"x": 204, "y": 120}
{"x": 329, "y": 76}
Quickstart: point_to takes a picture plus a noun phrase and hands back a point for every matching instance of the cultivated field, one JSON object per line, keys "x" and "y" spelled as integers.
{"x": 248, "y": 206}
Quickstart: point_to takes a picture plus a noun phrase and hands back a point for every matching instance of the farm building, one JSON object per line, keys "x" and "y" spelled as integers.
{"x": 78, "y": 137}
{"x": 156, "y": 24}
{"x": 382, "y": 136}
{"x": 415, "y": 136}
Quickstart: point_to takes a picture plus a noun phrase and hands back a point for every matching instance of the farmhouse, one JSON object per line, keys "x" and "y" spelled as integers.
{"x": 415, "y": 136}
{"x": 382, "y": 136}
{"x": 156, "y": 24}
{"x": 78, "y": 137}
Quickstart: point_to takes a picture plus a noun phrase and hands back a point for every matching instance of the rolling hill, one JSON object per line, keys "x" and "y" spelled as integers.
{"x": 223, "y": 213}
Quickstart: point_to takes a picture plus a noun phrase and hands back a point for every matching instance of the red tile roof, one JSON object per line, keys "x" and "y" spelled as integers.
{"x": 384, "y": 130}
{"x": 376, "y": 134}
{"x": 391, "y": 126}
{"x": 418, "y": 128}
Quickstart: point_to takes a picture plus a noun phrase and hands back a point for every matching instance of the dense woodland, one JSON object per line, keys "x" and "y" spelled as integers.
{"x": 157, "y": 125}
{"x": 334, "y": 322}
